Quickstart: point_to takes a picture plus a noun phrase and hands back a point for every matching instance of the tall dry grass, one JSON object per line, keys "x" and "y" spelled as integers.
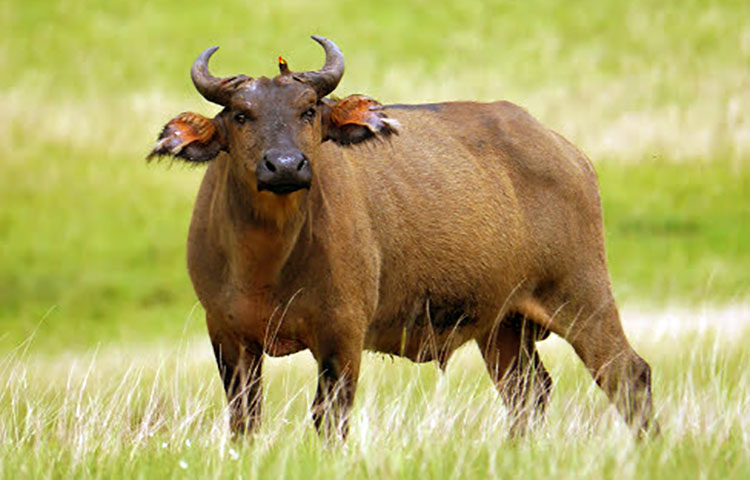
{"x": 159, "y": 411}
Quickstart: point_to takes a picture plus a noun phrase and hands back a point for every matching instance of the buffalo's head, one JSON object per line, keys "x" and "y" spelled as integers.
{"x": 272, "y": 128}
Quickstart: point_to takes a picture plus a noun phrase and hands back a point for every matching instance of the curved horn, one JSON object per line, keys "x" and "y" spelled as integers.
{"x": 213, "y": 89}
{"x": 325, "y": 80}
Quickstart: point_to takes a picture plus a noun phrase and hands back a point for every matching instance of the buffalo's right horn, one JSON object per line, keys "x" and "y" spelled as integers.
{"x": 213, "y": 89}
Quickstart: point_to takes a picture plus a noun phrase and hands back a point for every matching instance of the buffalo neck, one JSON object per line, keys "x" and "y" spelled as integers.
{"x": 262, "y": 230}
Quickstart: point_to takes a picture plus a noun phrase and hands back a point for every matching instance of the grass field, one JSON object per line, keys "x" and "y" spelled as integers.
{"x": 116, "y": 375}
{"x": 158, "y": 413}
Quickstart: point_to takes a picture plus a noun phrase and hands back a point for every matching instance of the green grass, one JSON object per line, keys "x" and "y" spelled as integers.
{"x": 677, "y": 232}
{"x": 158, "y": 413}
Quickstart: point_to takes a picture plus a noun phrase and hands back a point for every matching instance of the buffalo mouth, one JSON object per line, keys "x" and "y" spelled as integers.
{"x": 282, "y": 188}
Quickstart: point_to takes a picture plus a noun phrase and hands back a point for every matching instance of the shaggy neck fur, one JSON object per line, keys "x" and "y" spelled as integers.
{"x": 260, "y": 227}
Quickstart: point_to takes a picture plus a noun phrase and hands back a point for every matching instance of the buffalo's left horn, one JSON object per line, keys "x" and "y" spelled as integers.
{"x": 325, "y": 80}
{"x": 213, "y": 89}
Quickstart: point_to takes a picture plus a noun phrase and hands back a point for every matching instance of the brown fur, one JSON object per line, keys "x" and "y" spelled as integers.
{"x": 473, "y": 221}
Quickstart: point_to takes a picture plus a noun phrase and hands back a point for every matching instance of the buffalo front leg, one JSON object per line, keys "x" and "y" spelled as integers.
{"x": 514, "y": 364}
{"x": 240, "y": 371}
{"x": 338, "y": 371}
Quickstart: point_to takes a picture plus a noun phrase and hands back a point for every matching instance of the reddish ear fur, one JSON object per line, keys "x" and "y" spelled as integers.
{"x": 189, "y": 136}
{"x": 357, "y": 118}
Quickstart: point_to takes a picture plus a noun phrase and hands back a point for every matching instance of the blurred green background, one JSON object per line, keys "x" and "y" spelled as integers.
{"x": 92, "y": 238}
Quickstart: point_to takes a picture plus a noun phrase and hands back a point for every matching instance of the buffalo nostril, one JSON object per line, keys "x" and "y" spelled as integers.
{"x": 302, "y": 164}
{"x": 270, "y": 166}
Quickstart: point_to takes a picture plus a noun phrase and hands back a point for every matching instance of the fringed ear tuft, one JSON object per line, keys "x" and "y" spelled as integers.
{"x": 357, "y": 118}
{"x": 189, "y": 136}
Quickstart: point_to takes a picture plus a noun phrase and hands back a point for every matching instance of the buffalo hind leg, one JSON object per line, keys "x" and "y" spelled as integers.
{"x": 594, "y": 330}
{"x": 240, "y": 371}
{"x": 514, "y": 364}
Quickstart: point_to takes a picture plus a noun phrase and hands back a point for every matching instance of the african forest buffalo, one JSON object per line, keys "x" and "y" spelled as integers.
{"x": 343, "y": 225}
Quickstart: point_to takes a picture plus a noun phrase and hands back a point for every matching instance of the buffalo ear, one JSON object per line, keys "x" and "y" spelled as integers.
{"x": 355, "y": 119}
{"x": 191, "y": 137}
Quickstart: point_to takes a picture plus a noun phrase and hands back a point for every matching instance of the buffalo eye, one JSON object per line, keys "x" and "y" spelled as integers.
{"x": 240, "y": 118}
{"x": 309, "y": 114}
